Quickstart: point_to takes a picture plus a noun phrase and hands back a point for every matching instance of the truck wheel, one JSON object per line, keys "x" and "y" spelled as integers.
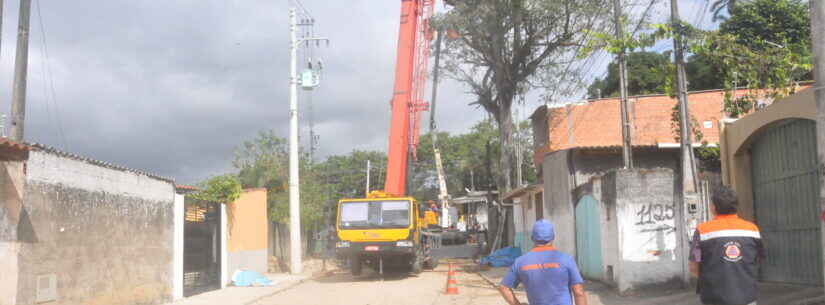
{"x": 431, "y": 263}
{"x": 355, "y": 264}
{"x": 416, "y": 267}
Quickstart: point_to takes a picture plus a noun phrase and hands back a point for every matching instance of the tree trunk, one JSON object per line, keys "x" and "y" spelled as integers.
{"x": 505, "y": 128}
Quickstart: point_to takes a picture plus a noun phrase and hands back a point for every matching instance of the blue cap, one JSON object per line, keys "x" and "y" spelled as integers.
{"x": 543, "y": 232}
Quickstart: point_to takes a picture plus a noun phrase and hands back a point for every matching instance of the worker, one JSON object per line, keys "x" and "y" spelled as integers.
{"x": 724, "y": 254}
{"x": 433, "y": 206}
{"x": 548, "y": 275}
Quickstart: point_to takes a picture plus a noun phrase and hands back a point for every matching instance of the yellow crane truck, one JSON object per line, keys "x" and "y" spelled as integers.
{"x": 385, "y": 231}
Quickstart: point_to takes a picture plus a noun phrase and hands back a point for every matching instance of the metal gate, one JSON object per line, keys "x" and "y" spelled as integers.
{"x": 201, "y": 247}
{"x": 785, "y": 197}
{"x": 588, "y": 238}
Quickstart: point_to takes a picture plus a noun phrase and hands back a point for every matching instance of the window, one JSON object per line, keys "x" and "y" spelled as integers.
{"x": 539, "y": 200}
{"x": 375, "y": 214}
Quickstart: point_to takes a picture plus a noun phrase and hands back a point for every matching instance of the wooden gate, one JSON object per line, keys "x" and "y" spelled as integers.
{"x": 785, "y": 197}
{"x": 588, "y": 238}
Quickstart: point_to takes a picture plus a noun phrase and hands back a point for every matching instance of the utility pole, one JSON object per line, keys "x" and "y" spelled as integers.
{"x": 627, "y": 148}
{"x": 367, "y": 193}
{"x": 294, "y": 189}
{"x": 689, "y": 196}
{"x": 294, "y": 161}
{"x": 818, "y": 39}
{"x": 21, "y": 63}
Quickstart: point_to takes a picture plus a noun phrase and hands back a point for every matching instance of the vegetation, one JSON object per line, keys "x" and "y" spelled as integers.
{"x": 263, "y": 162}
{"x": 220, "y": 189}
{"x": 503, "y": 49}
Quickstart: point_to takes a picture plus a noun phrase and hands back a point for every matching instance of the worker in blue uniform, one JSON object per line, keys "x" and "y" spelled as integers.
{"x": 549, "y": 276}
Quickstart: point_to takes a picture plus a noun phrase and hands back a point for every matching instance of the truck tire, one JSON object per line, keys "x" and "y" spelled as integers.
{"x": 416, "y": 267}
{"x": 431, "y": 263}
{"x": 355, "y": 265}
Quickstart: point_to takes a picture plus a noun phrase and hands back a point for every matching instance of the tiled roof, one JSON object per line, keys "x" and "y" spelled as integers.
{"x": 185, "y": 187}
{"x": 11, "y": 150}
{"x": 596, "y": 124}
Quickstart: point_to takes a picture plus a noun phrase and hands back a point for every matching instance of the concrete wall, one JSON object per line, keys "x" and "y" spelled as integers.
{"x": 589, "y": 164}
{"x": 558, "y": 206}
{"x": 105, "y": 233}
{"x": 11, "y": 212}
{"x": 177, "y": 265}
{"x": 646, "y": 227}
{"x": 247, "y": 239}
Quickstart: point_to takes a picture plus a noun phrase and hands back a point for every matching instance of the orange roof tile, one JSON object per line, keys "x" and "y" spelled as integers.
{"x": 597, "y": 123}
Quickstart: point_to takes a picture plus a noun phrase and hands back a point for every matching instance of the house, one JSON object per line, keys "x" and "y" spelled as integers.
{"x": 617, "y": 222}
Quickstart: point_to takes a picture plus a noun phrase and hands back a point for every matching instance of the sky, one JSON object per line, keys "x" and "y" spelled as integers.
{"x": 173, "y": 87}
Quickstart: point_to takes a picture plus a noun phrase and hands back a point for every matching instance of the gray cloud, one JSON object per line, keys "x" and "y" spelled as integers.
{"x": 171, "y": 87}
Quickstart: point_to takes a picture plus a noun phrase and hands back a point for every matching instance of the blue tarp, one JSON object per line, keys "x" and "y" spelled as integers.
{"x": 245, "y": 278}
{"x": 503, "y": 257}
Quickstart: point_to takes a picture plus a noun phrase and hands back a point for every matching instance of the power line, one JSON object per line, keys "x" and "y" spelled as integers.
{"x": 50, "y": 75}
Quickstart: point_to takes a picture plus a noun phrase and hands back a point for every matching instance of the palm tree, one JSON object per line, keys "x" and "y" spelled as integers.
{"x": 719, "y": 6}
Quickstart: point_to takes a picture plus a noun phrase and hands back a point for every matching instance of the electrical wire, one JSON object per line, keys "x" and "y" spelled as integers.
{"x": 50, "y": 75}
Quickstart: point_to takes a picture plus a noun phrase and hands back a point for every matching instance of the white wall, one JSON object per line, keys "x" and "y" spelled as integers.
{"x": 8, "y": 272}
{"x": 177, "y": 260}
{"x": 51, "y": 168}
{"x": 646, "y": 223}
{"x": 225, "y": 276}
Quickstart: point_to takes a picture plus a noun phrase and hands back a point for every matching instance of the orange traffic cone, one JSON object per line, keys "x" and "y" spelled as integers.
{"x": 451, "y": 282}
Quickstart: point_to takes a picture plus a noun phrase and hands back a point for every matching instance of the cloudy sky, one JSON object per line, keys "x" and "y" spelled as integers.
{"x": 172, "y": 87}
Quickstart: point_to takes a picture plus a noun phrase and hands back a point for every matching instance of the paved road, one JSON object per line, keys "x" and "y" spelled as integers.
{"x": 394, "y": 289}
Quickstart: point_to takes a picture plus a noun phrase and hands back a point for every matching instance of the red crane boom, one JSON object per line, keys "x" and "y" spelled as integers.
{"x": 408, "y": 92}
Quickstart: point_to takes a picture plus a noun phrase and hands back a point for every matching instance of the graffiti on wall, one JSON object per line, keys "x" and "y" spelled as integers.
{"x": 655, "y": 217}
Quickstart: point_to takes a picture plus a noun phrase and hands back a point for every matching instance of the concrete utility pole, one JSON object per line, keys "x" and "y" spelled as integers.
{"x": 689, "y": 196}
{"x": 294, "y": 189}
{"x": 21, "y": 63}
{"x": 627, "y": 148}
{"x": 818, "y": 32}
{"x": 368, "y": 179}
{"x": 294, "y": 161}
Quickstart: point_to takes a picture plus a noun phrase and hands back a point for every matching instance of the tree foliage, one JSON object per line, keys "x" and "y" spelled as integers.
{"x": 764, "y": 47}
{"x": 220, "y": 189}
{"x": 646, "y": 74}
{"x": 464, "y": 160}
{"x": 504, "y": 47}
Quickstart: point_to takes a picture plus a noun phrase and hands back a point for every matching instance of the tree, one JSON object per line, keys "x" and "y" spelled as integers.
{"x": 220, "y": 189}
{"x": 646, "y": 73}
{"x": 764, "y": 47}
{"x": 501, "y": 45}
{"x": 761, "y": 24}
{"x": 346, "y": 175}
{"x": 720, "y": 6}
{"x": 264, "y": 162}
{"x": 702, "y": 74}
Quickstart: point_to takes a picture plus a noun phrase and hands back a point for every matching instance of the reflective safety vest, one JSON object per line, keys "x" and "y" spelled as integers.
{"x": 730, "y": 250}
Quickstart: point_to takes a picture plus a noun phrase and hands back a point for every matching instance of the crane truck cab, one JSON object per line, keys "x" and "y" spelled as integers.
{"x": 385, "y": 231}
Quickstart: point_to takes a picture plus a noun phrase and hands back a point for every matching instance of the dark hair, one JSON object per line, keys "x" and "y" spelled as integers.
{"x": 724, "y": 199}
